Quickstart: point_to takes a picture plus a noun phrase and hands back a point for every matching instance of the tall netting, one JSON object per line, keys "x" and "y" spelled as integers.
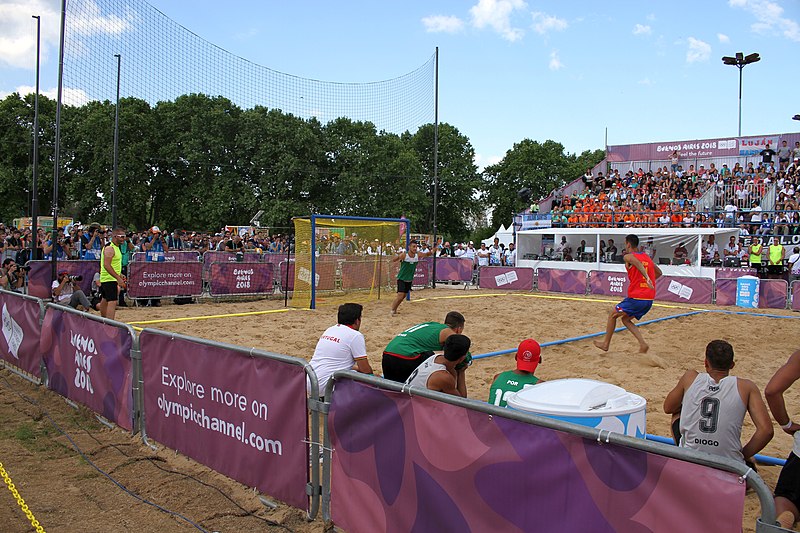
{"x": 161, "y": 60}
{"x": 348, "y": 257}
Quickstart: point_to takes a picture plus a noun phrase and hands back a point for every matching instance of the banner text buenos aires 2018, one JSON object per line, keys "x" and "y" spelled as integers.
{"x": 242, "y": 416}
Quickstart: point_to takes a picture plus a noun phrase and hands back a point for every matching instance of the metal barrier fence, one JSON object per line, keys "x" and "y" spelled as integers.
{"x": 418, "y": 459}
{"x": 22, "y": 318}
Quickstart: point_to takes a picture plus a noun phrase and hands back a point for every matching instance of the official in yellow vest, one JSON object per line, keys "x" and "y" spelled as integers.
{"x": 111, "y": 278}
{"x": 776, "y": 253}
{"x": 755, "y": 252}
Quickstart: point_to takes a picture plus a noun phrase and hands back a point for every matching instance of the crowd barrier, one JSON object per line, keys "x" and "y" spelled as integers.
{"x": 21, "y": 329}
{"x": 163, "y": 279}
{"x": 179, "y": 256}
{"x": 241, "y": 278}
{"x": 795, "y": 296}
{"x": 453, "y": 269}
{"x": 418, "y": 460}
{"x": 399, "y": 458}
{"x": 40, "y": 278}
{"x": 239, "y": 411}
{"x": 772, "y": 293}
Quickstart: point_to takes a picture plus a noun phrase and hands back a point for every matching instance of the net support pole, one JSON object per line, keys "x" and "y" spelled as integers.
{"x": 116, "y": 149}
{"x": 57, "y": 152}
{"x": 313, "y": 262}
{"x": 286, "y": 277}
{"x": 35, "y": 184}
{"x": 435, "y": 160}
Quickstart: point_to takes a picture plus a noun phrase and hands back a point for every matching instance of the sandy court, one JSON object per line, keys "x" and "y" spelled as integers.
{"x": 493, "y": 322}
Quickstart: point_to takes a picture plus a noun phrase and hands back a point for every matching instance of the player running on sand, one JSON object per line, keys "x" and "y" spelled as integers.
{"x": 642, "y": 275}
{"x": 405, "y": 277}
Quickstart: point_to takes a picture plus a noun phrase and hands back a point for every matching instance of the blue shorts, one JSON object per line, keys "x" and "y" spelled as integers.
{"x": 634, "y": 308}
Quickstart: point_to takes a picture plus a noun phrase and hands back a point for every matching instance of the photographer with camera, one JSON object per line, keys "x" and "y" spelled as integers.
{"x": 62, "y": 246}
{"x": 111, "y": 279}
{"x": 67, "y": 291}
{"x": 12, "y": 276}
{"x": 92, "y": 242}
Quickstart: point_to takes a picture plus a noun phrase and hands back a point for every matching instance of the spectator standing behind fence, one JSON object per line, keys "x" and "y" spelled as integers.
{"x": 787, "y": 489}
{"x": 111, "y": 278}
{"x": 510, "y": 257}
{"x": 674, "y": 161}
{"x": 175, "y": 240}
{"x": 59, "y": 242}
{"x": 405, "y": 276}
{"x": 447, "y": 372}
{"x": 91, "y": 242}
{"x": 341, "y": 347}
{"x": 793, "y": 264}
{"x": 506, "y": 383}
{"x": 708, "y": 409}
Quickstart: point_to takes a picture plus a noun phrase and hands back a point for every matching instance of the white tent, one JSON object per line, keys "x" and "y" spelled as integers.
{"x": 506, "y": 236}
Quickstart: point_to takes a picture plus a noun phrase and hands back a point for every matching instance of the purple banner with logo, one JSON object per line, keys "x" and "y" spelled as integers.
{"x": 284, "y": 282}
{"x": 19, "y": 343}
{"x": 422, "y": 275}
{"x": 179, "y": 256}
{"x": 556, "y": 280}
{"x": 241, "y": 278}
{"x": 159, "y": 280}
{"x": 211, "y": 257}
{"x": 40, "y": 277}
{"x": 796, "y": 296}
{"x": 733, "y": 273}
{"x": 90, "y": 363}
{"x": 719, "y": 147}
{"x": 244, "y": 416}
{"x": 364, "y": 273}
{"x": 682, "y": 289}
{"x": 406, "y": 463}
{"x": 507, "y": 278}
{"x": 772, "y": 293}
{"x": 608, "y": 283}
{"x": 453, "y": 269}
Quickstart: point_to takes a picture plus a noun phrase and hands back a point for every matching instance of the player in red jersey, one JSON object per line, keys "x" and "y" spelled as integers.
{"x": 642, "y": 275}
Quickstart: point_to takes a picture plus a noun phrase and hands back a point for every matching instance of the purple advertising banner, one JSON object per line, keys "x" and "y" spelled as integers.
{"x": 771, "y": 293}
{"x": 608, "y": 283}
{"x": 158, "y": 280}
{"x": 241, "y": 278}
{"x": 180, "y": 256}
{"x": 282, "y": 280}
{"x": 796, "y": 296}
{"x": 244, "y": 416}
{"x": 404, "y": 463}
{"x": 733, "y": 273}
{"x": 212, "y": 257}
{"x": 422, "y": 275}
{"x": 682, "y": 289}
{"x": 453, "y": 269}
{"x": 40, "y": 277}
{"x": 719, "y": 147}
{"x": 507, "y": 278}
{"x": 90, "y": 363}
{"x": 364, "y": 273}
{"x": 556, "y": 280}
{"x": 19, "y": 343}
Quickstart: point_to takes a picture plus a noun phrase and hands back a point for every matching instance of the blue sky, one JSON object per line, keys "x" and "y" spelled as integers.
{"x": 509, "y": 69}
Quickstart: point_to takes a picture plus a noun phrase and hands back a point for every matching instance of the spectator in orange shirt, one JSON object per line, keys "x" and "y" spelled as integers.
{"x": 676, "y": 219}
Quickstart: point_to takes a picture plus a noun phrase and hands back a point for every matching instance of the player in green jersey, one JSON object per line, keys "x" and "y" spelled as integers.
{"x": 405, "y": 277}
{"x": 505, "y": 383}
{"x": 410, "y": 348}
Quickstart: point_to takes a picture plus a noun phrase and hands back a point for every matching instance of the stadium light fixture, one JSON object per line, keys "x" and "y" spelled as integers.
{"x": 796, "y": 117}
{"x": 740, "y": 61}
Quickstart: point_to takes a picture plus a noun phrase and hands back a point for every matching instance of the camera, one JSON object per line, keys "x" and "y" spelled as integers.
{"x": 75, "y": 278}
{"x": 25, "y": 268}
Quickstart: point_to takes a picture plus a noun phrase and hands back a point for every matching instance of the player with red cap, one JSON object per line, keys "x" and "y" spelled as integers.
{"x": 529, "y": 355}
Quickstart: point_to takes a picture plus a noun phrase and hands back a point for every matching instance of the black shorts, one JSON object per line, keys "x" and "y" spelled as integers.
{"x": 399, "y": 368}
{"x": 404, "y": 286}
{"x": 109, "y": 291}
{"x": 788, "y": 485}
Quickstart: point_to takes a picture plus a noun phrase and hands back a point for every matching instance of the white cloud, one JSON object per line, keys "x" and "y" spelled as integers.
{"x": 496, "y": 14}
{"x": 769, "y": 18}
{"x": 646, "y": 81}
{"x": 442, "y": 24}
{"x": 723, "y": 38}
{"x": 698, "y": 51}
{"x": 555, "y": 61}
{"x": 483, "y": 161}
{"x": 18, "y": 29}
{"x": 651, "y": 17}
{"x": 543, "y": 23}
{"x": 74, "y": 97}
{"x": 641, "y": 29}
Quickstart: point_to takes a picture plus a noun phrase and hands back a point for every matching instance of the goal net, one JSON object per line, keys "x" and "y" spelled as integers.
{"x": 345, "y": 256}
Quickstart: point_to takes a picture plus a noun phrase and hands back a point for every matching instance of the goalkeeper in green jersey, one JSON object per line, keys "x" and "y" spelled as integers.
{"x": 405, "y": 277}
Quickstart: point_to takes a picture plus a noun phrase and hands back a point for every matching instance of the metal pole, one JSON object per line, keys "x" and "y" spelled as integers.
{"x": 57, "y": 154}
{"x": 435, "y": 159}
{"x": 116, "y": 151}
{"x": 35, "y": 192}
{"x": 741, "y": 68}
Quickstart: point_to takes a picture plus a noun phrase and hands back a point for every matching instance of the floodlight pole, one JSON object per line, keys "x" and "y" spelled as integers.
{"x": 116, "y": 151}
{"x": 35, "y": 192}
{"x": 57, "y": 152}
{"x": 740, "y": 61}
{"x": 435, "y": 161}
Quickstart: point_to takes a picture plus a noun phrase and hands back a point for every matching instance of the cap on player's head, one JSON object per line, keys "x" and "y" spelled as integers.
{"x": 529, "y": 355}
{"x": 456, "y": 346}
